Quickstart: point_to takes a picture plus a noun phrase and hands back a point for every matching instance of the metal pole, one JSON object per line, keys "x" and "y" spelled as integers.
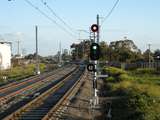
{"x": 149, "y": 55}
{"x": 18, "y": 48}
{"x": 98, "y": 28}
{"x": 37, "y": 59}
{"x": 96, "y": 63}
{"x": 60, "y": 50}
{"x": 83, "y": 49}
{"x": 95, "y": 78}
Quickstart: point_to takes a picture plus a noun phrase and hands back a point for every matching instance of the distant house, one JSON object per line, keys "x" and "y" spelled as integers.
{"x": 20, "y": 60}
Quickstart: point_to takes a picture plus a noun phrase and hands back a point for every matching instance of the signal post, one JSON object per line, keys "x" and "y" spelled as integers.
{"x": 94, "y": 56}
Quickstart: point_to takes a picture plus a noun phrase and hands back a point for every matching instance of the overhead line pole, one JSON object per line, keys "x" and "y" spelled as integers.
{"x": 149, "y": 55}
{"x": 37, "y": 59}
{"x": 60, "y": 53}
{"x": 98, "y": 28}
{"x": 18, "y": 44}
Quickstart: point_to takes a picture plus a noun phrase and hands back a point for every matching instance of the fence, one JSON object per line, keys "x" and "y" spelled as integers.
{"x": 135, "y": 65}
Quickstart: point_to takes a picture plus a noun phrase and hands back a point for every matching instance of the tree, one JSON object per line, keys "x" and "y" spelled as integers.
{"x": 128, "y": 44}
{"x": 124, "y": 51}
{"x": 116, "y": 51}
{"x": 146, "y": 55}
{"x": 81, "y": 50}
{"x": 104, "y": 51}
{"x": 124, "y": 55}
{"x": 65, "y": 55}
{"x": 156, "y": 55}
{"x": 30, "y": 56}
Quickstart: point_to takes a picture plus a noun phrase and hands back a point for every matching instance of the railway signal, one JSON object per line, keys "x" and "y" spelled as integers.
{"x": 94, "y": 51}
{"x": 94, "y": 55}
{"x": 94, "y": 28}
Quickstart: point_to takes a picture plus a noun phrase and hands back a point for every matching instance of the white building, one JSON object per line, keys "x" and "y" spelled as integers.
{"x": 5, "y": 55}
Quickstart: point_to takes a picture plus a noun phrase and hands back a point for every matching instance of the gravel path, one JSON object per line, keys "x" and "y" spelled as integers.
{"x": 80, "y": 108}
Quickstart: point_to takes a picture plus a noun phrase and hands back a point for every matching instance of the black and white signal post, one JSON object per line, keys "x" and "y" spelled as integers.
{"x": 94, "y": 56}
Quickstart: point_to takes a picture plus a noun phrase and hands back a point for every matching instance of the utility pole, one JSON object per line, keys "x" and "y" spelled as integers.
{"x": 149, "y": 55}
{"x": 37, "y": 59}
{"x": 60, "y": 50}
{"x": 18, "y": 47}
{"x": 98, "y": 28}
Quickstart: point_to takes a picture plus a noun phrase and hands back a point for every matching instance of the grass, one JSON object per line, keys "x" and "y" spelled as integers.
{"x": 19, "y": 72}
{"x": 142, "y": 89}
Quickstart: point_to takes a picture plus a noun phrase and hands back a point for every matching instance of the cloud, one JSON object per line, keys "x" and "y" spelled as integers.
{"x": 13, "y": 36}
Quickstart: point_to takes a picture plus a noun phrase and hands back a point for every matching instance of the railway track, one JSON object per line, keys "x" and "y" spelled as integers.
{"x": 16, "y": 87}
{"x": 40, "y": 86}
{"x": 56, "y": 113}
{"x": 11, "y": 86}
{"x": 16, "y": 90}
{"x": 42, "y": 106}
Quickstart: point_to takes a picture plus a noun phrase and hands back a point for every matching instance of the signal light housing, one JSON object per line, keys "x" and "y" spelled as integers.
{"x": 94, "y": 51}
{"x": 94, "y": 28}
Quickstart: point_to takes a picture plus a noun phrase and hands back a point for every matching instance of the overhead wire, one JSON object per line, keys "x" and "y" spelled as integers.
{"x": 111, "y": 11}
{"x": 48, "y": 17}
{"x": 56, "y": 15}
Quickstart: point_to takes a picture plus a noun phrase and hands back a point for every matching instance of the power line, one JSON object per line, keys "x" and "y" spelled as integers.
{"x": 48, "y": 17}
{"x": 52, "y": 11}
{"x": 111, "y": 11}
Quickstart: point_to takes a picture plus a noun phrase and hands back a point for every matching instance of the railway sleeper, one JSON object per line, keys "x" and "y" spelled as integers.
{"x": 36, "y": 105}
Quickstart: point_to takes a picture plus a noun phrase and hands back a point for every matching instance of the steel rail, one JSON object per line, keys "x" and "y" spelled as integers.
{"x": 6, "y": 98}
{"x": 65, "y": 100}
{"x": 4, "y": 88}
{"x": 37, "y": 101}
{"x": 17, "y": 83}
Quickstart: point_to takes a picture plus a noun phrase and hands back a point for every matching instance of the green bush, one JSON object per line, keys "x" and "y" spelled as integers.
{"x": 124, "y": 77}
{"x": 116, "y": 74}
{"x": 21, "y": 72}
{"x": 110, "y": 79}
{"x": 140, "y": 97}
{"x": 114, "y": 71}
{"x": 145, "y": 71}
{"x": 42, "y": 67}
{"x": 144, "y": 104}
{"x": 136, "y": 105}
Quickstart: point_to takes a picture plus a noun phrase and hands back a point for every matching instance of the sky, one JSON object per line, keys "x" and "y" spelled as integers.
{"x": 136, "y": 19}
